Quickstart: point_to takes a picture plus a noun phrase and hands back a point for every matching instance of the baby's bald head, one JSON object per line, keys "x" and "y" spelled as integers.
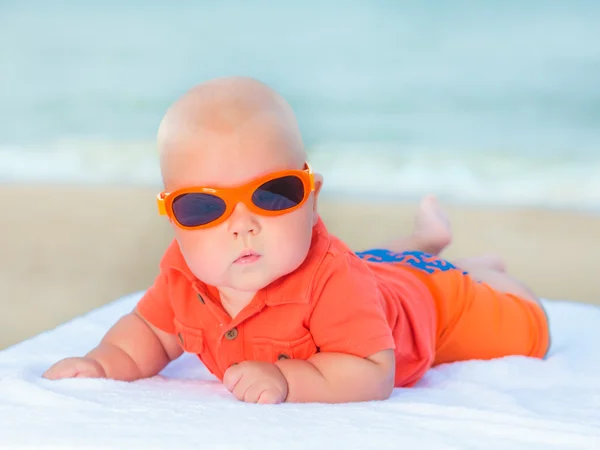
{"x": 226, "y": 124}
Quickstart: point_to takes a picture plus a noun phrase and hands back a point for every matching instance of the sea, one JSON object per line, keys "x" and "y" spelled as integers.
{"x": 478, "y": 102}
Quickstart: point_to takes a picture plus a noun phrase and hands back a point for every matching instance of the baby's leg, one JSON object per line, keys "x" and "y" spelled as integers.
{"x": 487, "y": 314}
{"x": 473, "y": 264}
{"x": 491, "y": 269}
{"x": 431, "y": 234}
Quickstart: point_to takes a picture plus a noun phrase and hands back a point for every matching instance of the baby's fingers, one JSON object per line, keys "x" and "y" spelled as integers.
{"x": 72, "y": 368}
{"x": 270, "y": 397}
{"x": 67, "y": 368}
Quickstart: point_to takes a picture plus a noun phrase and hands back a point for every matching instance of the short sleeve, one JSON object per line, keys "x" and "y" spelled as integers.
{"x": 155, "y": 305}
{"x": 349, "y": 315}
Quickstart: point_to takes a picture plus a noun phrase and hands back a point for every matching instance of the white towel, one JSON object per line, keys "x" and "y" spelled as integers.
{"x": 513, "y": 402}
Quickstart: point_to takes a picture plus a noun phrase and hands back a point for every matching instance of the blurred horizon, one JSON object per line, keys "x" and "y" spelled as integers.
{"x": 490, "y": 102}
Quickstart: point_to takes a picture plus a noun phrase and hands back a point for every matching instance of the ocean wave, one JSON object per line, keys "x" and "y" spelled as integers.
{"x": 74, "y": 161}
{"x": 358, "y": 169}
{"x": 463, "y": 176}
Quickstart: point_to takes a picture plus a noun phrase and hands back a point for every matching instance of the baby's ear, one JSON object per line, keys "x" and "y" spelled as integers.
{"x": 318, "y": 186}
{"x": 318, "y": 183}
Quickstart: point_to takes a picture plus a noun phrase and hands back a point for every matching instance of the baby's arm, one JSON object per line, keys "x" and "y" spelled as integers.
{"x": 130, "y": 350}
{"x": 356, "y": 360}
{"x": 339, "y": 378}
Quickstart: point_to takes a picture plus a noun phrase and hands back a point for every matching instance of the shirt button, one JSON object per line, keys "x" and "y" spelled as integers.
{"x": 283, "y": 356}
{"x": 231, "y": 334}
{"x": 201, "y": 299}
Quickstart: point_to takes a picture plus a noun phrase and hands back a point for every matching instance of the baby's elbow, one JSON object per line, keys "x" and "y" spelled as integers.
{"x": 386, "y": 365}
{"x": 386, "y": 389}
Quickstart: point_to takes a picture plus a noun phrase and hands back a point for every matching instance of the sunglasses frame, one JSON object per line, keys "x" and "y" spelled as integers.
{"x": 233, "y": 195}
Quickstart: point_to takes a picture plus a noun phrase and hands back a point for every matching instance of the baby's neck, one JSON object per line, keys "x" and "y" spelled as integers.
{"x": 234, "y": 301}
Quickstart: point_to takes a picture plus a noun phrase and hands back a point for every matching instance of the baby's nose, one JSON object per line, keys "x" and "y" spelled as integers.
{"x": 242, "y": 220}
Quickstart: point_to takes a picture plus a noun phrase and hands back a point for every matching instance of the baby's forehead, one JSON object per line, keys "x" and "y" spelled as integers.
{"x": 225, "y": 166}
{"x": 205, "y": 144}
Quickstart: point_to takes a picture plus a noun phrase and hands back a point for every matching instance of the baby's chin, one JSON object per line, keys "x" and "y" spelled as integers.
{"x": 255, "y": 281}
{"x": 251, "y": 276}
{"x": 252, "y": 283}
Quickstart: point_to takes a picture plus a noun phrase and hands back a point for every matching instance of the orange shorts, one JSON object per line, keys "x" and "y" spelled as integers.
{"x": 475, "y": 321}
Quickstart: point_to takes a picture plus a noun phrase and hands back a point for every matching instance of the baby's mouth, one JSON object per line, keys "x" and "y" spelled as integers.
{"x": 247, "y": 257}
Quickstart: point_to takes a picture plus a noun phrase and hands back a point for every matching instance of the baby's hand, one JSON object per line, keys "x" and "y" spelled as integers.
{"x": 75, "y": 368}
{"x": 256, "y": 382}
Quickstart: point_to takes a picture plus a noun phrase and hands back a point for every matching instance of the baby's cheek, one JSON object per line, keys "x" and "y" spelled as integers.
{"x": 292, "y": 241}
{"x": 203, "y": 254}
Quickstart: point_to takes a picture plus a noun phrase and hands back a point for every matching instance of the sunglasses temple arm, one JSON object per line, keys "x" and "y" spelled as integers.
{"x": 160, "y": 203}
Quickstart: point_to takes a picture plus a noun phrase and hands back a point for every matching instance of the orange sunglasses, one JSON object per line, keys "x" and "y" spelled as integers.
{"x": 274, "y": 194}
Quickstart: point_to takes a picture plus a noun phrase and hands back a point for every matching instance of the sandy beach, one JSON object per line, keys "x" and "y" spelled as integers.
{"x": 68, "y": 249}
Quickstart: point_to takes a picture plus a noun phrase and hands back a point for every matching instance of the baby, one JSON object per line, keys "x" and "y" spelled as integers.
{"x": 274, "y": 305}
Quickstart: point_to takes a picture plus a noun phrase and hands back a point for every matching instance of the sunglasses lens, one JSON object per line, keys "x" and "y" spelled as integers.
{"x": 192, "y": 210}
{"x": 279, "y": 194}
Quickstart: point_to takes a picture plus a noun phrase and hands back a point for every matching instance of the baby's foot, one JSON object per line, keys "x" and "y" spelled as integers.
{"x": 432, "y": 230}
{"x": 432, "y": 226}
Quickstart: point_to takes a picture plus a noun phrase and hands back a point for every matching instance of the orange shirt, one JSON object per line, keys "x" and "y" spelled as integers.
{"x": 334, "y": 302}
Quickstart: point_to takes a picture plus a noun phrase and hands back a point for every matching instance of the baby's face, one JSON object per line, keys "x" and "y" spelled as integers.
{"x": 277, "y": 245}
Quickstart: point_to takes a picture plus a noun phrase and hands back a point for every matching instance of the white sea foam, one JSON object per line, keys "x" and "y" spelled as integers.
{"x": 81, "y": 162}
{"x": 365, "y": 170}
{"x": 503, "y": 178}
